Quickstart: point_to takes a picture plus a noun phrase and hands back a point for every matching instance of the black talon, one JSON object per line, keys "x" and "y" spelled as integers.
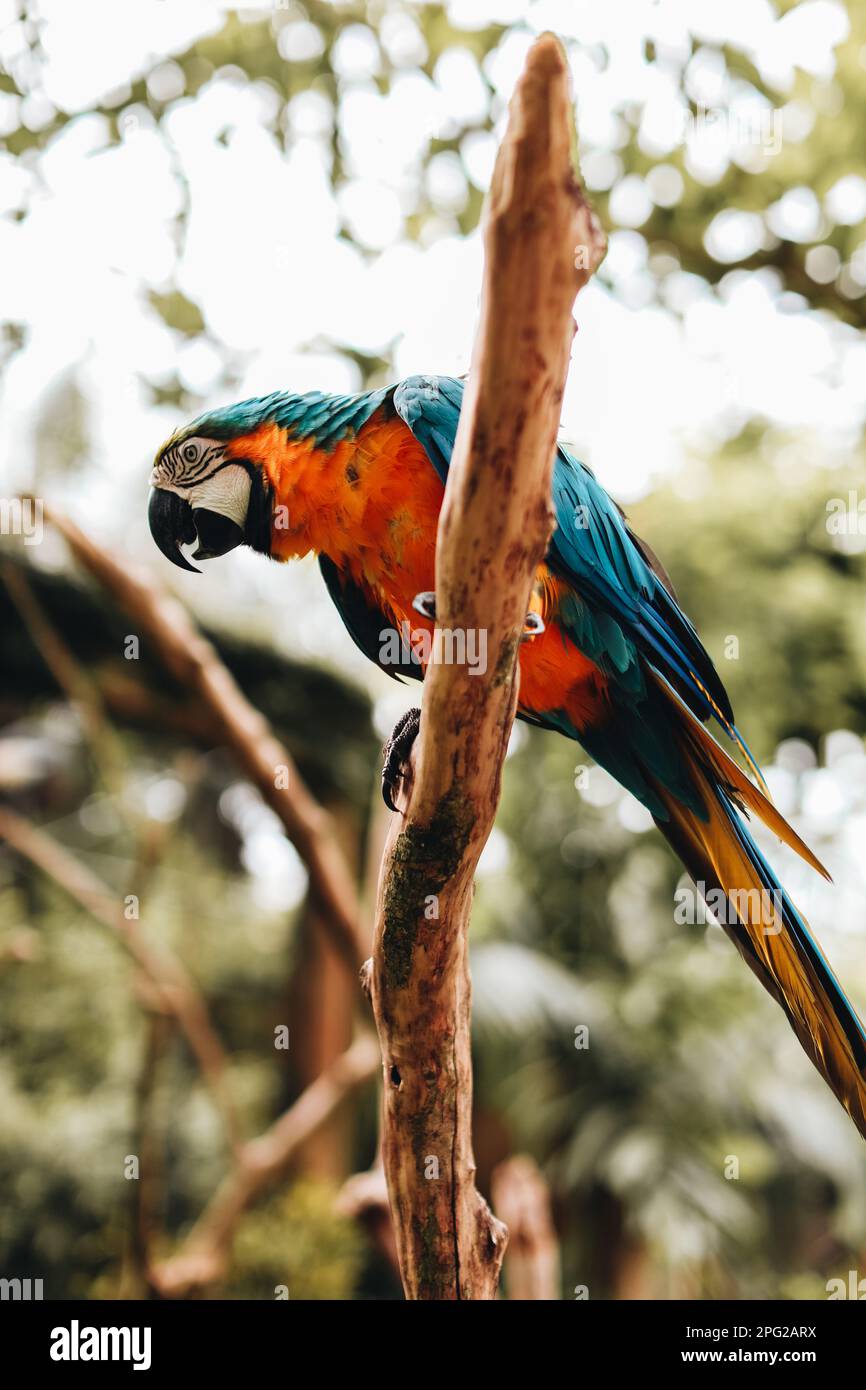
{"x": 396, "y": 754}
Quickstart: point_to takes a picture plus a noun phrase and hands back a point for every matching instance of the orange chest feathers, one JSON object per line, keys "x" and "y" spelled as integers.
{"x": 371, "y": 504}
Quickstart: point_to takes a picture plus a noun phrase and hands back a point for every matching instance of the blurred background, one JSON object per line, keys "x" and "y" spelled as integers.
{"x": 202, "y": 203}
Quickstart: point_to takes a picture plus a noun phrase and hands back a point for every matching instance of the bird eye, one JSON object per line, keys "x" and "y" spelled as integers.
{"x": 190, "y": 453}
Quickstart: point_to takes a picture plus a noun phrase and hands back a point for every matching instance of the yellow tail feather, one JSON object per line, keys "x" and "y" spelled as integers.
{"x": 754, "y": 920}
{"x": 735, "y": 781}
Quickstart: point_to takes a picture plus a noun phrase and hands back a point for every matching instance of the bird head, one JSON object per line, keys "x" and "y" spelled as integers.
{"x": 208, "y": 490}
{"x": 278, "y": 473}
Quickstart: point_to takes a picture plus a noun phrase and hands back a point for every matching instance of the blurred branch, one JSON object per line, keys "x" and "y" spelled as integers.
{"x": 82, "y": 691}
{"x": 135, "y": 1280}
{"x": 144, "y": 1197}
{"x": 128, "y": 698}
{"x": 542, "y": 242}
{"x": 205, "y": 1254}
{"x": 364, "y": 1198}
{"x": 223, "y": 714}
{"x": 173, "y": 989}
{"x": 522, "y": 1198}
{"x": 194, "y": 663}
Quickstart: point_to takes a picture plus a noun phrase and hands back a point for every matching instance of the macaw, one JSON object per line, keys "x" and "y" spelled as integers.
{"x": 611, "y": 660}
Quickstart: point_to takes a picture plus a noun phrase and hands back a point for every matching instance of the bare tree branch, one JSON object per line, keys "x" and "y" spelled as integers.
{"x": 522, "y": 1198}
{"x": 541, "y": 243}
{"x": 172, "y": 987}
{"x": 224, "y": 714}
{"x": 364, "y": 1197}
{"x": 192, "y": 661}
{"x": 77, "y": 684}
{"x": 143, "y": 1194}
{"x": 204, "y": 1257}
{"x": 256, "y": 1163}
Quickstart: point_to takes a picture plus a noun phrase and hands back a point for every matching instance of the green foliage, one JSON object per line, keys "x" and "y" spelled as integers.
{"x": 179, "y": 312}
{"x": 297, "y": 1241}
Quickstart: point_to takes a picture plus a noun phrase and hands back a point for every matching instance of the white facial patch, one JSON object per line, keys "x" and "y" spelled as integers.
{"x": 195, "y": 470}
{"x": 226, "y": 492}
{"x": 186, "y": 463}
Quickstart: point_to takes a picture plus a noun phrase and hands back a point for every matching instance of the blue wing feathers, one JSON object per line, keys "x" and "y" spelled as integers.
{"x": 619, "y": 611}
{"x": 620, "y": 607}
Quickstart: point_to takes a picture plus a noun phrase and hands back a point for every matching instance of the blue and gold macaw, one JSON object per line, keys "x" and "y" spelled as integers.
{"x": 617, "y": 665}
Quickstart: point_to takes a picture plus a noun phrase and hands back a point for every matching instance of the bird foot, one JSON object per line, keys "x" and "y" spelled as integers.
{"x": 397, "y": 752}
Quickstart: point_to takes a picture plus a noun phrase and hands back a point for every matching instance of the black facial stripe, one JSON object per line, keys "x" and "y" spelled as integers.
{"x": 193, "y": 479}
{"x": 257, "y": 529}
{"x": 185, "y": 474}
{"x": 196, "y": 470}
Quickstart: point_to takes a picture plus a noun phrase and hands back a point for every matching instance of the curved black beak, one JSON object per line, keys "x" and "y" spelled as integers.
{"x": 171, "y": 525}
